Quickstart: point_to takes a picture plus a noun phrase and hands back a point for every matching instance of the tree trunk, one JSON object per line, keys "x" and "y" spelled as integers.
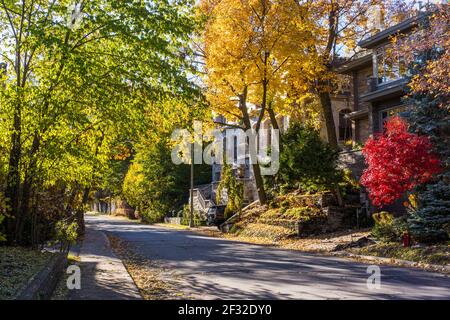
{"x": 273, "y": 119}
{"x": 80, "y": 211}
{"x": 27, "y": 190}
{"x": 255, "y": 166}
{"x": 35, "y": 232}
{"x": 12, "y": 191}
{"x": 259, "y": 184}
{"x": 327, "y": 111}
{"x": 24, "y": 208}
{"x": 274, "y": 122}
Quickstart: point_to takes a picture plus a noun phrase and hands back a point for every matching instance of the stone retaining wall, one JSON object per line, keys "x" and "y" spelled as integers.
{"x": 41, "y": 287}
{"x": 353, "y": 160}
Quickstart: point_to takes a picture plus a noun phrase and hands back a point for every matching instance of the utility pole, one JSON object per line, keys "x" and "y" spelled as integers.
{"x": 191, "y": 220}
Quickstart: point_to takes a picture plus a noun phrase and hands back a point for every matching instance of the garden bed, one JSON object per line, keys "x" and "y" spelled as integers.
{"x": 437, "y": 254}
{"x": 17, "y": 267}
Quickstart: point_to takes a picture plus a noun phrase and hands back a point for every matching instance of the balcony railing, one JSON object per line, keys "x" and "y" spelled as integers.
{"x": 375, "y": 84}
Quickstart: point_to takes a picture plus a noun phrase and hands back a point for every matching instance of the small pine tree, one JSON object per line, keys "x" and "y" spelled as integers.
{"x": 306, "y": 161}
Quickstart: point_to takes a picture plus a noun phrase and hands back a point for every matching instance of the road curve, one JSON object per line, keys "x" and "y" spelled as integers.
{"x": 212, "y": 268}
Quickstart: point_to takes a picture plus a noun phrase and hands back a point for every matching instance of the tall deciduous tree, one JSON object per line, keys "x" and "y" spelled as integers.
{"x": 78, "y": 76}
{"x": 337, "y": 27}
{"x": 251, "y": 47}
{"x": 431, "y": 44}
{"x": 154, "y": 184}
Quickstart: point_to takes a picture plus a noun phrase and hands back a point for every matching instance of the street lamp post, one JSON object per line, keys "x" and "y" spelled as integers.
{"x": 191, "y": 218}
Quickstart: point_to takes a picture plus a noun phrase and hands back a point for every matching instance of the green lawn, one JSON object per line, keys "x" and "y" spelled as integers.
{"x": 17, "y": 266}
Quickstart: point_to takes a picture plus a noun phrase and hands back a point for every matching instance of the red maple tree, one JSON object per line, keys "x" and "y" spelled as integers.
{"x": 397, "y": 162}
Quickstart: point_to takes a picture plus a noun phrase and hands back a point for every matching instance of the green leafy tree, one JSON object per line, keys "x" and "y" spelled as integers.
{"x": 78, "y": 77}
{"x": 154, "y": 184}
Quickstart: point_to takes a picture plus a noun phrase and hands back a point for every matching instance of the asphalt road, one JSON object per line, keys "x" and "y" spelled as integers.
{"x": 212, "y": 268}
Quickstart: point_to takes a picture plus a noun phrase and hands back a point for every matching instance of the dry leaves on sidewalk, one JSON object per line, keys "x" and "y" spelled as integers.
{"x": 153, "y": 281}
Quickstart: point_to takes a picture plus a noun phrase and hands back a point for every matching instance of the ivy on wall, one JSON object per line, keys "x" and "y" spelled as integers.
{"x": 234, "y": 191}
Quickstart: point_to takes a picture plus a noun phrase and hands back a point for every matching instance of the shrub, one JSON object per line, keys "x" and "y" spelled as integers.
{"x": 300, "y": 166}
{"x": 66, "y": 234}
{"x": 349, "y": 183}
{"x": 387, "y": 228}
{"x": 186, "y": 217}
{"x": 429, "y": 223}
{"x": 398, "y": 161}
{"x": 234, "y": 190}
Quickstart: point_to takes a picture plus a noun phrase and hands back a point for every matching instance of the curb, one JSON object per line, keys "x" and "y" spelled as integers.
{"x": 41, "y": 286}
{"x": 393, "y": 261}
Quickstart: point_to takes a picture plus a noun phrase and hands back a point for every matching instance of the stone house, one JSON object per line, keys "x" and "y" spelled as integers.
{"x": 205, "y": 195}
{"x": 377, "y": 80}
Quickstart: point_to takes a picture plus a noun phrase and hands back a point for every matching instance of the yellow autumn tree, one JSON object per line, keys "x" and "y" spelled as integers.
{"x": 252, "y": 47}
{"x": 336, "y": 27}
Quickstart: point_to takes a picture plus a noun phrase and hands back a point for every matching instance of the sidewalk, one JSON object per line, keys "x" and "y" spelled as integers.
{"x": 103, "y": 275}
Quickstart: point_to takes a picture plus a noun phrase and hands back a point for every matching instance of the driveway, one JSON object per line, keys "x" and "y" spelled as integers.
{"x": 212, "y": 268}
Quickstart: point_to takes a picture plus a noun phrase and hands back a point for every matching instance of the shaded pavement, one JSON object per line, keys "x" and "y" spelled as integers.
{"x": 212, "y": 268}
{"x": 103, "y": 275}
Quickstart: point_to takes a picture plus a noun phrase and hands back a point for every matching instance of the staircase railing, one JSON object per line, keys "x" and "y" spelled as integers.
{"x": 202, "y": 200}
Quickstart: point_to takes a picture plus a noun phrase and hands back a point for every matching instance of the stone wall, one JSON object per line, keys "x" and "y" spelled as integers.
{"x": 362, "y": 79}
{"x": 41, "y": 287}
{"x": 353, "y": 160}
{"x": 362, "y": 133}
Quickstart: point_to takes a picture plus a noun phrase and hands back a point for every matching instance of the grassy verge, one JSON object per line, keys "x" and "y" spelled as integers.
{"x": 438, "y": 254}
{"x": 17, "y": 267}
{"x": 172, "y": 226}
{"x": 316, "y": 244}
{"x": 153, "y": 281}
{"x": 326, "y": 243}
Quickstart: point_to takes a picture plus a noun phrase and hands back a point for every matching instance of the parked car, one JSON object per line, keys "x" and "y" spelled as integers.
{"x": 215, "y": 215}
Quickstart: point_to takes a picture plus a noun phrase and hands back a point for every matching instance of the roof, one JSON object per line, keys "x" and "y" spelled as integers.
{"x": 358, "y": 114}
{"x": 389, "y": 90}
{"x": 355, "y": 64}
{"x": 383, "y": 36}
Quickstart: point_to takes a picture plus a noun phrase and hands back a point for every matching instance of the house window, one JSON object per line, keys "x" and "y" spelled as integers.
{"x": 390, "y": 66}
{"x": 345, "y": 125}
